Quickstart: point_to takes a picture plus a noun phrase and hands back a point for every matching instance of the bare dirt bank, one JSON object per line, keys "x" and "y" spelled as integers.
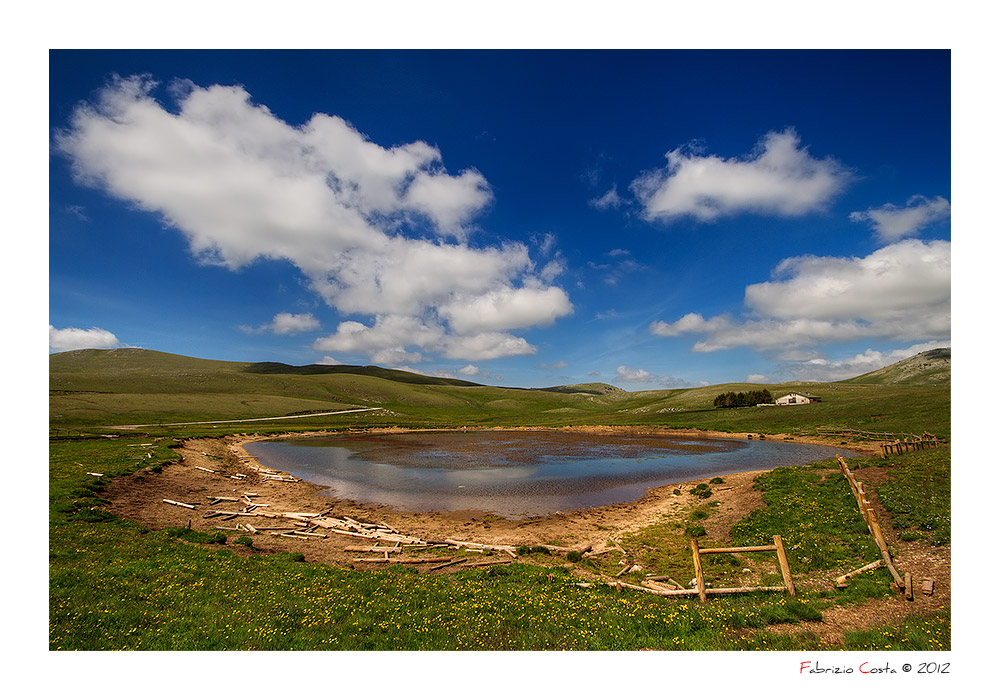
{"x": 187, "y": 481}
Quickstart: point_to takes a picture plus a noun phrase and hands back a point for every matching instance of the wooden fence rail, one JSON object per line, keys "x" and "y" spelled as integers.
{"x": 900, "y": 446}
{"x": 868, "y": 513}
{"x": 871, "y": 435}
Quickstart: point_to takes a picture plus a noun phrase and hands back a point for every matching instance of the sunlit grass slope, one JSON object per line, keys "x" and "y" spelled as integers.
{"x": 133, "y": 386}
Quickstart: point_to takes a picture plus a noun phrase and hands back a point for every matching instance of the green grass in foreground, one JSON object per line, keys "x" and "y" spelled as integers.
{"x": 115, "y": 585}
{"x": 917, "y": 633}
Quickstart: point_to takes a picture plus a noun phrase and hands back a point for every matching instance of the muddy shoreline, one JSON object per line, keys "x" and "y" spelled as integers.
{"x": 209, "y": 467}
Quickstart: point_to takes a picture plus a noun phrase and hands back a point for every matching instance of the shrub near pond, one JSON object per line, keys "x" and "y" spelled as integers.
{"x": 701, "y": 491}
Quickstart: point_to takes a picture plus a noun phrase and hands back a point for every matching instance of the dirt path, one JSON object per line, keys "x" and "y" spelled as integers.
{"x": 241, "y": 420}
{"x": 141, "y": 498}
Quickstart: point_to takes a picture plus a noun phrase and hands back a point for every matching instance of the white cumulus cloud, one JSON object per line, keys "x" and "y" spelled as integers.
{"x": 285, "y": 323}
{"x": 632, "y": 375}
{"x": 778, "y": 178}
{"x": 379, "y": 231}
{"x": 899, "y": 292}
{"x": 891, "y": 222}
{"x": 823, "y": 370}
{"x": 906, "y": 283}
{"x": 64, "y": 339}
{"x": 504, "y": 308}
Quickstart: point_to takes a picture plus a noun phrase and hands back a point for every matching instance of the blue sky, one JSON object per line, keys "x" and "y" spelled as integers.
{"x": 650, "y": 219}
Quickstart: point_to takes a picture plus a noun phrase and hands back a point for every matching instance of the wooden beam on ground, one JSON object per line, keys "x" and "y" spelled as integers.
{"x": 178, "y": 503}
{"x": 450, "y": 563}
{"x": 308, "y": 534}
{"x": 765, "y": 589}
{"x": 487, "y": 562}
{"x": 694, "y": 591}
{"x": 657, "y": 586}
{"x": 496, "y": 547}
{"x": 842, "y": 580}
{"x": 425, "y": 560}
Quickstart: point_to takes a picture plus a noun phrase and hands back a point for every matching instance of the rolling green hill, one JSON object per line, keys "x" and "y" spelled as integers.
{"x": 931, "y": 367}
{"x": 132, "y": 386}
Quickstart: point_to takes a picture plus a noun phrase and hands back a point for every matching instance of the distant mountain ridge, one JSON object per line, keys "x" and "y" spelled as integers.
{"x": 154, "y": 361}
{"x": 930, "y": 367}
{"x": 368, "y": 370}
{"x": 595, "y": 388}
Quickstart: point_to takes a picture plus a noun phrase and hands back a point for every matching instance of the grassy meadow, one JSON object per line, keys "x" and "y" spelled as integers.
{"x": 115, "y": 585}
{"x": 92, "y": 389}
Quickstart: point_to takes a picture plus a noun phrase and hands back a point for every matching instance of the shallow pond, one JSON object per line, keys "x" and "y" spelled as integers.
{"x": 518, "y": 473}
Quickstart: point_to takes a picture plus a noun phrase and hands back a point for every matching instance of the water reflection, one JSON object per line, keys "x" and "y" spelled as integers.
{"x": 516, "y": 474}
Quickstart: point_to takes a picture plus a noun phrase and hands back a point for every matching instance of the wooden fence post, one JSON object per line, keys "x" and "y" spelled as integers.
{"x": 786, "y": 573}
{"x": 698, "y": 574}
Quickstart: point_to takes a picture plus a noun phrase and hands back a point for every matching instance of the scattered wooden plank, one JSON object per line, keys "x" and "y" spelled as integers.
{"x": 657, "y": 586}
{"x": 694, "y": 591}
{"x": 842, "y": 580}
{"x": 622, "y": 584}
{"x": 908, "y": 586}
{"x": 97, "y": 474}
{"x": 210, "y": 471}
{"x": 283, "y": 528}
{"x": 354, "y": 534}
{"x": 426, "y": 560}
{"x": 446, "y": 564}
{"x": 178, "y": 503}
{"x": 328, "y": 522}
{"x": 488, "y": 562}
{"x": 928, "y": 587}
{"x": 480, "y": 545}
